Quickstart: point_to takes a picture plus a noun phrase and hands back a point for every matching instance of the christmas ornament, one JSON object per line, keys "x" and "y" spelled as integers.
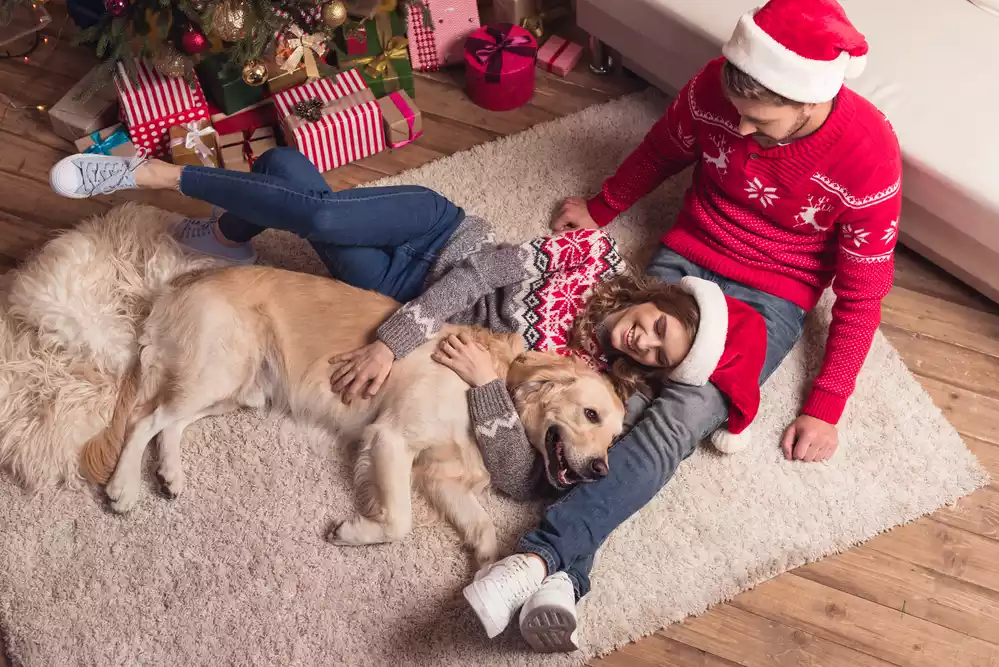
{"x": 231, "y": 20}
{"x": 192, "y": 41}
{"x": 199, "y": 5}
{"x": 255, "y": 73}
{"x": 538, "y": 23}
{"x": 310, "y": 110}
{"x": 115, "y": 7}
{"x": 334, "y": 14}
{"x": 170, "y": 62}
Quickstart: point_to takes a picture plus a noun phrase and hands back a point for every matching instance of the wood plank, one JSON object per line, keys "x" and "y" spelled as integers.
{"x": 977, "y": 513}
{"x": 951, "y": 551}
{"x": 957, "y": 366}
{"x": 918, "y": 274}
{"x": 988, "y": 455}
{"x": 658, "y": 650}
{"x": 751, "y": 639}
{"x": 446, "y": 101}
{"x": 942, "y": 320}
{"x": 913, "y": 590}
{"x": 971, "y": 414}
{"x": 863, "y": 625}
{"x": 19, "y": 237}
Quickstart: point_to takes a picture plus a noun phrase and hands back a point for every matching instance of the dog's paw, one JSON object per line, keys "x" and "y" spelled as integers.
{"x": 355, "y": 531}
{"x": 171, "y": 480}
{"x": 123, "y": 493}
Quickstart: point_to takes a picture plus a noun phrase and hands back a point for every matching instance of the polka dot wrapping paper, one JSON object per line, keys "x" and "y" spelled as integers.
{"x": 152, "y": 103}
{"x": 441, "y": 45}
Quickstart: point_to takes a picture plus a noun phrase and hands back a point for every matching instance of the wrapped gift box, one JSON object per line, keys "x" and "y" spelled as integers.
{"x": 72, "y": 117}
{"x": 194, "y": 143}
{"x": 240, "y": 149}
{"x": 262, "y": 114}
{"x": 112, "y": 140}
{"x": 384, "y": 64}
{"x": 513, "y": 11}
{"x": 403, "y": 121}
{"x": 559, "y": 55}
{"x": 346, "y": 129}
{"x": 499, "y": 66}
{"x": 431, "y": 48}
{"x": 224, "y": 85}
{"x": 151, "y": 104}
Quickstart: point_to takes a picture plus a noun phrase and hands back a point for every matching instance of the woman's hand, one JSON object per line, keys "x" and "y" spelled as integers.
{"x": 573, "y": 214}
{"x": 363, "y": 370}
{"x": 468, "y": 359}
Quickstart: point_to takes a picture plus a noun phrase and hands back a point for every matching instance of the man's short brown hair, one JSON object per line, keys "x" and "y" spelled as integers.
{"x": 740, "y": 84}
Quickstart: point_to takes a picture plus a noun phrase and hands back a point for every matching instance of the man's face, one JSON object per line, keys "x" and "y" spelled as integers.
{"x": 770, "y": 123}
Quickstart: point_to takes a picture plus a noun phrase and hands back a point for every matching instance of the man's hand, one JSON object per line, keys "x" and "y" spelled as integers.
{"x": 573, "y": 214}
{"x": 468, "y": 359}
{"x": 363, "y": 370}
{"x": 809, "y": 439}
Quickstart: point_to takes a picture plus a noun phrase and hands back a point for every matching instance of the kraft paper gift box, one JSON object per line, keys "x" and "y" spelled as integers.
{"x": 239, "y": 150}
{"x": 194, "y": 143}
{"x": 72, "y": 118}
{"x": 112, "y": 140}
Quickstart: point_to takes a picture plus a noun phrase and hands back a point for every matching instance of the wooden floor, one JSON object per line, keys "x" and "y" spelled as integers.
{"x": 925, "y": 594}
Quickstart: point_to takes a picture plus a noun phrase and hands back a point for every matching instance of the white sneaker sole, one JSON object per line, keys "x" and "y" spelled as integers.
{"x": 492, "y": 625}
{"x": 549, "y": 629}
{"x": 60, "y": 191}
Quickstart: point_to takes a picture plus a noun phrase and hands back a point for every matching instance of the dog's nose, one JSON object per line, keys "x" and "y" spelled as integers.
{"x": 599, "y": 467}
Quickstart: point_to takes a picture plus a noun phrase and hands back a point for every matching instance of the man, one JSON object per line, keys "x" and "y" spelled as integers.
{"x": 796, "y": 185}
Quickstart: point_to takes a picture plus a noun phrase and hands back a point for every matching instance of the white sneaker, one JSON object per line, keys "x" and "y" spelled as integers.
{"x": 548, "y": 618}
{"x": 500, "y": 589}
{"x": 85, "y": 175}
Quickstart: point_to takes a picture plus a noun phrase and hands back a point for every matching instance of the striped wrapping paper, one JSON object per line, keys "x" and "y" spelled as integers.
{"x": 338, "y": 138}
{"x": 152, "y": 103}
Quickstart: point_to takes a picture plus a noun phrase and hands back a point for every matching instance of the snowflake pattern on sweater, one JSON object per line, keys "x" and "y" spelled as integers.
{"x": 788, "y": 220}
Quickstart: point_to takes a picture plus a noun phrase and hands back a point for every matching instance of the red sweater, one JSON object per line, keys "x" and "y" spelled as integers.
{"x": 786, "y": 220}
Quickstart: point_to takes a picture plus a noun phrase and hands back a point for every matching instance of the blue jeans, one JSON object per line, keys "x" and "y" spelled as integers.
{"x": 382, "y": 239}
{"x": 669, "y": 430}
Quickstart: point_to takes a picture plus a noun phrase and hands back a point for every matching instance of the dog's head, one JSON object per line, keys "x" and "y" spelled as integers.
{"x": 570, "y": 413}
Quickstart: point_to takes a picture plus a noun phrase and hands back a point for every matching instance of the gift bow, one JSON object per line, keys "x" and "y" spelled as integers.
{"x": 489, "y": 54}
{"x": 304, "y": 45}
{"x": 104, "y": 146}
{"x": 192, "y": 141}
{"x": 393, "y": 48}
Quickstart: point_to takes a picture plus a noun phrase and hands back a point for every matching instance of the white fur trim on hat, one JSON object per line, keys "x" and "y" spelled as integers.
{"x": 727, "y": 442}
{"x": 783, "y": 71}
{"x": 712, "y": 331}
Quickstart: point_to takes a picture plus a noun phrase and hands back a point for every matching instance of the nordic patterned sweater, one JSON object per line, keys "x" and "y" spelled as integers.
{"x": 787, "y": 220}
{"x": 537, "y": 289}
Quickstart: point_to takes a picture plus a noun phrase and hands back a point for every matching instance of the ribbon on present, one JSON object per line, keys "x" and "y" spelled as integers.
{"x": 489, "y": 54}
{"x": 393, "y": 48}
{"x": 304, "y": 47}
{"x": 104, "y": 146}
{"x": 193, "y": 141}
{"x": 399, "y": 100}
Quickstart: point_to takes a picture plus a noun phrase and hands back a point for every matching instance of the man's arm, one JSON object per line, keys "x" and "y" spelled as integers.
{"x": 668, "y": 148}
{"x": 864, "y": 272}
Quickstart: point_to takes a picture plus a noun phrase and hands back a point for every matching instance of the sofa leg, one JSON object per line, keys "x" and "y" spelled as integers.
{"x": 600, "y": 58}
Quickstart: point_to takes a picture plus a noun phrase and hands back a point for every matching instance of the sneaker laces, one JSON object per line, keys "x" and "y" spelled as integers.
{"x": 194, "y": 228}
{"x": 103, "y": 176}
{"x": 516, "y": 579}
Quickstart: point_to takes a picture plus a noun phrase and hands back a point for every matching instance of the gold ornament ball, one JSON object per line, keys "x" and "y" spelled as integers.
{"x": 231, "y": 20}
{"x": 170, "y": 62}
{"x": 255, "y": 73}
{"x": 334, "y": 13}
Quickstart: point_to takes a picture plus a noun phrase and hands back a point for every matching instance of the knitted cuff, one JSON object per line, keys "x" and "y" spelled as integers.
{"x": 490, "y": 401}
{"x": 500, "y": 266}
{"x": 401, "y": 333}
{"x": 601, "y": 213}
{"x": 825, "y": 406}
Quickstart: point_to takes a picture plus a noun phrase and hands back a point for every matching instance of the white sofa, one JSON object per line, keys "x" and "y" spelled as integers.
{"x": 931, "y": 70}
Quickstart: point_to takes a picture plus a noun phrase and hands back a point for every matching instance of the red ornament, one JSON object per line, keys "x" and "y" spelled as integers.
{"x": 193, "y": 41}
{"x": 115, "y": 7}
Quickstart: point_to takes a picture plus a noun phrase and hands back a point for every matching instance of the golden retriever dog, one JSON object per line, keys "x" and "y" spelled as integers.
{"x": 255, "y": 337}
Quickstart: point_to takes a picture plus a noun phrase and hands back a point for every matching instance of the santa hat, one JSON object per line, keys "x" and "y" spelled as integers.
{"x": 801, "y": 49}
{"x": 728, "y": 351}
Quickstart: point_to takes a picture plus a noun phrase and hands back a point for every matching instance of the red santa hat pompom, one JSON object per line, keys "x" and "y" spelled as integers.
{"x": 801, "y": 49}
{"x": 728, "y": 351}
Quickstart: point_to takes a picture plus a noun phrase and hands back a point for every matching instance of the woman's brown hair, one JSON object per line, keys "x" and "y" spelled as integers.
{"x": 627, "y": 375}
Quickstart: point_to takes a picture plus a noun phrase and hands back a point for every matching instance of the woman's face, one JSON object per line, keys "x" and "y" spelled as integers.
{"x": 648, "y": 335}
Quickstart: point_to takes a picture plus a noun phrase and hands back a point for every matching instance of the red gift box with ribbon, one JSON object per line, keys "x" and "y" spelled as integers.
{"x": 499, "y": 66}
{"x": 151, "y": 104}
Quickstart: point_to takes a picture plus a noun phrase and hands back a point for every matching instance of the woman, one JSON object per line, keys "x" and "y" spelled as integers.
{"x": 414, "y": 245}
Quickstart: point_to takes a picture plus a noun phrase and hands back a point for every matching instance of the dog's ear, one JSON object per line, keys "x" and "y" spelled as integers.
{"x": 537, "y": 368}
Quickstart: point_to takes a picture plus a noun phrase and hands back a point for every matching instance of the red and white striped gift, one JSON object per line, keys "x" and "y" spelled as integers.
{"x": 338, "y": 138}
{"x": 152, "y": 104}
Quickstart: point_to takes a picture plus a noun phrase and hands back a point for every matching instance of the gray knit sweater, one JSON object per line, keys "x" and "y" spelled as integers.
{"x": 476, "y": 281}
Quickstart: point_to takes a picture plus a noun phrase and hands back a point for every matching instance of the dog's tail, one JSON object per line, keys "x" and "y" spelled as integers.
{"x": 99, "y": 455}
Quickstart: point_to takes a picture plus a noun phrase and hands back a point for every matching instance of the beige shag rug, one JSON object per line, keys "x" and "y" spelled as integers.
{"x": 236, "y": 572}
